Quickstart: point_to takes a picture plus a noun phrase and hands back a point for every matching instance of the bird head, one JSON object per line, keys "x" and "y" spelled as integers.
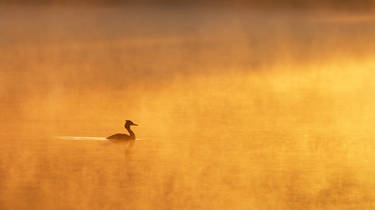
{"x": 129, "y": 123}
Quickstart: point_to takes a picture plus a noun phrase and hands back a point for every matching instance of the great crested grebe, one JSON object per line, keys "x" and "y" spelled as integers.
{"x": 124, "y": 137}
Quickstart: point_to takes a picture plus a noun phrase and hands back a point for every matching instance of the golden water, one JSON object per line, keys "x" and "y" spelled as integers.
{"x": 237, "y": 109}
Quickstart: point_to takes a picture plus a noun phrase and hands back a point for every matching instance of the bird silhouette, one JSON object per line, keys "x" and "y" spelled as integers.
{"x": 121, "y": 137}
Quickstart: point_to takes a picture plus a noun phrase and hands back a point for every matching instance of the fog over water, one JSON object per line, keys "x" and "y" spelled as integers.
{"x": 237, "y": 108}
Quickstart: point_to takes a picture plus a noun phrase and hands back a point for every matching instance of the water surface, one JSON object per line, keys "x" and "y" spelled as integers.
{"x": 237, "y": 109}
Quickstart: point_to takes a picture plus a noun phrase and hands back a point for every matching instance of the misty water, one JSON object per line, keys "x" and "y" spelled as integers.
{"x": 237, "y": 108}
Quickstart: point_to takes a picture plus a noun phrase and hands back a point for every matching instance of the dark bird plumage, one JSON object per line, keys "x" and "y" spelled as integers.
{"x": 124, "y": 137}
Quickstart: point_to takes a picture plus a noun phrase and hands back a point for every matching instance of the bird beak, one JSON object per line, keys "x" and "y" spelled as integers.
{"x": 135, "y": 124}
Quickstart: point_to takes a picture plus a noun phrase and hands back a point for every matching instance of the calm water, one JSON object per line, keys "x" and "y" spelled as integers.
{"x": 236, "y": 108}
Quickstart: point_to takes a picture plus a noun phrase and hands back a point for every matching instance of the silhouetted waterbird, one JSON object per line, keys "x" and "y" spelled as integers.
{"x": 120, "y": 137}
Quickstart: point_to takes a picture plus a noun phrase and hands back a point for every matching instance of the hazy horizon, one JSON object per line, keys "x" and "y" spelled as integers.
{"x": 349, "y": 5}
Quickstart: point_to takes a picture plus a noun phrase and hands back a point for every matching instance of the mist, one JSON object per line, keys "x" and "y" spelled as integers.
{"x": 346, "y": 5}
{"x": 238, "y": 107}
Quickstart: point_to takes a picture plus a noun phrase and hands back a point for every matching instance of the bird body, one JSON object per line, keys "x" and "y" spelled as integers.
{"x": 120, "y": 137}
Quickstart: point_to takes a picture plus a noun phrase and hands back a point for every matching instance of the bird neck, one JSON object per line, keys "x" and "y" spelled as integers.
{"x": 131, "y": 133}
